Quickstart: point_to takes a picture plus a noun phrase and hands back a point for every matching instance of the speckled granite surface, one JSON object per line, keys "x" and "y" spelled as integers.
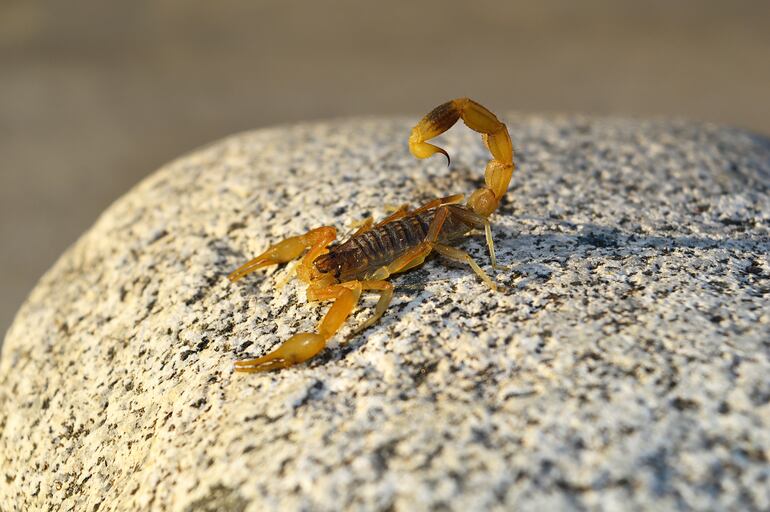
{"x": 625, "y": 365}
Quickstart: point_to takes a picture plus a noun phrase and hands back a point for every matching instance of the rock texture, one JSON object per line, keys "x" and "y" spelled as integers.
{"x": 624, "y": 365}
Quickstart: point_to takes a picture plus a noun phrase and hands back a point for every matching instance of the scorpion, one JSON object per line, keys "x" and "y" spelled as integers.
{"x": 341, "y": 272}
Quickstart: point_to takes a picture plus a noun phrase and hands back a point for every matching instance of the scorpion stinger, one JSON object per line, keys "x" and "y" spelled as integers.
{"x": 401, "y": 241}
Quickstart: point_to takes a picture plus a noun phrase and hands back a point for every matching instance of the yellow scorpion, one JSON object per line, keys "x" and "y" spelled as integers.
{"x": 341, "y": 272}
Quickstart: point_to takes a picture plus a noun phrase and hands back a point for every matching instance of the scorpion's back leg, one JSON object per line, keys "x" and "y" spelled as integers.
{"x": 456, "y": 254}
{"x": 480, "y": 222}
{"x": 362, "y": 226}
{"x": 403, "y": 210}
{"x": 396, "y": 213}
{"x": 368, "y": 223}
{"x": 316, "y": 240}
{"x": 435, "y": 203}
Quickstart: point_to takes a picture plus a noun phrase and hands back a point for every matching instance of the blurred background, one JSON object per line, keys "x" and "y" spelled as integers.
{"x": 96, "y": 95}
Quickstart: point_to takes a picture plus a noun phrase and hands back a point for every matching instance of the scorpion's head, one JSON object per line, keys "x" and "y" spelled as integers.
{"x": 326, "y": 264}
{"x": 343, "y": 262}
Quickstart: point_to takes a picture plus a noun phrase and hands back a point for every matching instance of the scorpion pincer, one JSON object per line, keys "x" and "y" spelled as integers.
{"x": 401, "y": 241}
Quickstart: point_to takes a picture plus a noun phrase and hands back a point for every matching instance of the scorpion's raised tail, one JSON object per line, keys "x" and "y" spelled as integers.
{"x": 498, "y": 173}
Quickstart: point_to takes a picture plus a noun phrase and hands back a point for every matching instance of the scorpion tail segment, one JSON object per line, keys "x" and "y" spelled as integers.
{"x": 295, "y": 350}
{"x": 496, "y": 137}
{"x": 461, "y": 256}
{"x": 287, "y": 250}
{"x": 499, "y": 170}
{"x": 385, "y": 289}
{"x": 486, "y": 199}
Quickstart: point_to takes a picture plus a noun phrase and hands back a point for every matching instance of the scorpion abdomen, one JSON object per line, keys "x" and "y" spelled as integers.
{"x": 366, "y": 252}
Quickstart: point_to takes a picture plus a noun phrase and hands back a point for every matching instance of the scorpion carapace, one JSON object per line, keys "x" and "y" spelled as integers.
{"x": 397, "y": 243}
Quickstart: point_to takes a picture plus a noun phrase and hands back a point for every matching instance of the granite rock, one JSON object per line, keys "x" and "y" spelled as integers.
{"x": 623, "y": 365}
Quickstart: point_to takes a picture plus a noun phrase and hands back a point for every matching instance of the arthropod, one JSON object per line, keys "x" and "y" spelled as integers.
{"x": 341, "y": 272}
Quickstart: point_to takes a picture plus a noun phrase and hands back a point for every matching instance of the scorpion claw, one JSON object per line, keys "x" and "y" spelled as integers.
{"x": 248, "y": 268}
{"x": 297, "y": 349}
{"x": 286, "y": 250}
{"x": 265, "y": 366}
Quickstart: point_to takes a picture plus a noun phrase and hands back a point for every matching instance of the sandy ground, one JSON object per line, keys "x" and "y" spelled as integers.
{"x": 94, "y": 97}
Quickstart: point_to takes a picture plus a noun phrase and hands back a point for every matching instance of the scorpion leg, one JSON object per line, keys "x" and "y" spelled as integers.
{"x": 303, "y": 346}
{"x": 316, "y": 240}
{"x": 416, "y": 256}
{"x": 412, "y": 258}
{"x": 456, "y": 254}
{"x": 403, "y": 210}
{"x": 368, "y": 223}
{"x": 479, "y": 221}
{"x": 385, "y": 290}
{"x": 363, "y": 226}
{"x": 435, "y": 203}
{"x": 398, "y": 213}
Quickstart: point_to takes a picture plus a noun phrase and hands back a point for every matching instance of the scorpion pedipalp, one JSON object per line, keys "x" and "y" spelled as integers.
{"x": 289, "y": 249}
{"x": 295, "y": 350}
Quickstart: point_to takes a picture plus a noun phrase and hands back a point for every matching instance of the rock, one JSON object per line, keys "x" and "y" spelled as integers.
{"x": 624, "y": 364}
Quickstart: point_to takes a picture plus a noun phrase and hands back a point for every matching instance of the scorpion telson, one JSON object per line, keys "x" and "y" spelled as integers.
{"x": 395, "y": 244}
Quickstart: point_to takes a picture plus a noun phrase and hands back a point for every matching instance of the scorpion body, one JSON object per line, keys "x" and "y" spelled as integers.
{"x": 364, "y": 253}
{"x": 342, "y": 272}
